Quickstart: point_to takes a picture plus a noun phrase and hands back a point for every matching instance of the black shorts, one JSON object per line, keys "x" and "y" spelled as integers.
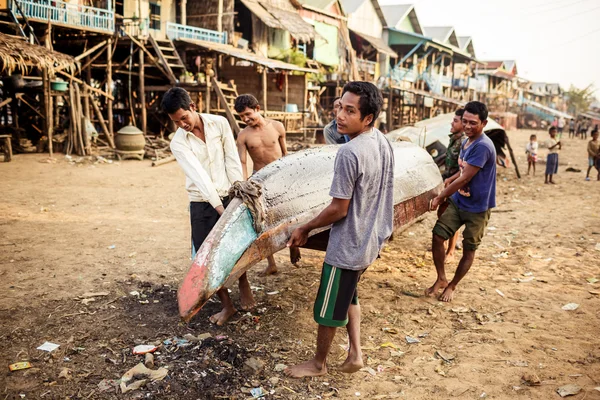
{"x": 203, "y": 218}
{"x": 337, "y": 292}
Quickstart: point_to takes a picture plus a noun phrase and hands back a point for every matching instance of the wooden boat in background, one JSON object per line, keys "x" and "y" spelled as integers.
{"x": 294, "y": 190}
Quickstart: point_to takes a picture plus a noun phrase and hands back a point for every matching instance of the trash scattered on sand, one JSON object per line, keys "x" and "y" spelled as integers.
{"x": 393, "y": 331}
{"x": 49, "y": 347}
{"x": 65, "y": 373}
{"x": 531, "y": 380}
{"x": 280, "y": 367}
{"x": 443, "y": 356}
{"x": 527, "y": 279}
{"x": 149, "y": 360}
{"x": 412, "y": 340}
{"x": 138, "y": 371}
{"x": 257, "y": 392}
{"x": 568, "y": 390}
{"x": 504, "y": 254}
{"x": 500, "y": 293}
{"x": 570, "y": 307}
{"x": 144, "y": 348}
{"x": 111, "y": 247}
{"x": 19, "y": 366}
{"x": 592, "y": 280}
{"x": 273, "y": 292}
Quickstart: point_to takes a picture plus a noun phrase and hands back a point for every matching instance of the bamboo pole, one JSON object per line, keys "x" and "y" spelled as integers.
{"x": 47, "y": 109}
{"x": 264, "y": 88}
{"x": 142, "y": 95}
{"x": 86, "y": 99}
{"x": 109, "y": 136}
{"x": 90, "y": 51}
{"x": 109, "y": 84}
{"x": 93, "y": 89}
{"x": 286, "y": 88}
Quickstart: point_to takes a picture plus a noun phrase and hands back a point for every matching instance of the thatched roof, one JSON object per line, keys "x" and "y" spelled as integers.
{"x": 17, "y": 54}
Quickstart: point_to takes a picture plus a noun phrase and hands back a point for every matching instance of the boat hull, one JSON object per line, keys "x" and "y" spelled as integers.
{"x": 295, "y": 190}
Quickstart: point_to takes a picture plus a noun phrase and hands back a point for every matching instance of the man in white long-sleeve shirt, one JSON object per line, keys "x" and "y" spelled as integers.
{"x": 205, "y": 149}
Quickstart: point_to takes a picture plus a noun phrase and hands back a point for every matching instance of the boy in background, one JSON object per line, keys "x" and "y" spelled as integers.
{"x": 552, "y": 161}
{"x": 593, "y": 150}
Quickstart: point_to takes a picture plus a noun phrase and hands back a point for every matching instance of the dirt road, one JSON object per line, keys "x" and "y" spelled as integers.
{"x": 67, "y": 229}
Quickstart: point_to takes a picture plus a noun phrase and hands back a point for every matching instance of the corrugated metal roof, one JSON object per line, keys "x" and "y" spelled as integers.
{"x": 378, "y": 43}
{"x": 246, "y": 55}
{"x": 293, "y": 23}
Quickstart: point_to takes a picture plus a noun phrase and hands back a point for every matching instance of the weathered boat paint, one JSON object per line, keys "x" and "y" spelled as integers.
{"x": 295, "y": 190}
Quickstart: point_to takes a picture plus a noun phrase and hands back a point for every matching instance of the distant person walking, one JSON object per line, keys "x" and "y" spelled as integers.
{"x": 471, "y": 196}
{"x": 572, "y": 129}
{"x": 593, "y": 150}
{"x": 554, "y": 146}
{"x": 561, "y": 126}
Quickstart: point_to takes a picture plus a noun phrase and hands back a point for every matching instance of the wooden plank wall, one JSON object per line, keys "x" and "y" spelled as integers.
{"x": 249, "y": 81}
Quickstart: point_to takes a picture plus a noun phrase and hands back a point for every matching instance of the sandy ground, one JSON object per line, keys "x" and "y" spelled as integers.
{"x": 67, "y": 229}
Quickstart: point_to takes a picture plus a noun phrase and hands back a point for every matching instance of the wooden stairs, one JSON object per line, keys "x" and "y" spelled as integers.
{"x": 168, "y": 58}
{"x": 226, "y": 95}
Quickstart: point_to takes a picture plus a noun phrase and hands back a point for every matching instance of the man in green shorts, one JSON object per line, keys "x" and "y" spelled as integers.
{"x": 361, "y": 218}
{"x": 471, "y": 194}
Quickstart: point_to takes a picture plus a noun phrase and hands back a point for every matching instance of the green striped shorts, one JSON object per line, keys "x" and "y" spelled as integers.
{"x": 336, "y": 292}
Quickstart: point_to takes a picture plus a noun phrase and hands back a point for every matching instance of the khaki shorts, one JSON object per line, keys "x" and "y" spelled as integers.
{"x": 453, "y": 218}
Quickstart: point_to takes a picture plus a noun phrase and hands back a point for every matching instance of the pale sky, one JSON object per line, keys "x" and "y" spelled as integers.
{"x": 551, "y": 40}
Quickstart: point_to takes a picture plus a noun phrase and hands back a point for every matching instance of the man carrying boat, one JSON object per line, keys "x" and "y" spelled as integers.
{"x": 205, "y": 149}
{"x": 264, "y": 139}
{"x": 457, "y": 135}
{"x": 332, "y": 136}
{"x": 471, "y": 194}
{"x": 361, "y": 218}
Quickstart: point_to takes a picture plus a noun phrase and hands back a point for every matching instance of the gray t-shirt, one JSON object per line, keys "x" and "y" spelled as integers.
{"x": 331, "y": 134}
{"x": 364, "y": 173}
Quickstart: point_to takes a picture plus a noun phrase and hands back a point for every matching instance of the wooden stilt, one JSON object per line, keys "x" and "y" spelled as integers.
{"x": 286, "y": 88}
{"x": 86, "y": 99}
{"x": 109, "y": 89}
{"x": 264, "y": 88}
{"x": 142, "y": 94}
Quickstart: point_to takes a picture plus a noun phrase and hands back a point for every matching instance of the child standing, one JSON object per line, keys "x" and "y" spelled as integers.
{"x": 593, "y": 154}
{"x": 531, "y": 150}
{"x": 552, "y": 161}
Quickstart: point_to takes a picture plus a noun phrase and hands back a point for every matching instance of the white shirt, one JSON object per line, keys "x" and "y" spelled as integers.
{"x": 212, "y": 167}
{"x": 561, "y": 122}
{"x": 532, "y": 147}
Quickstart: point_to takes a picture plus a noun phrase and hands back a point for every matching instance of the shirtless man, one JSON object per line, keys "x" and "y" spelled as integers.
{"x": 264, "y": 139}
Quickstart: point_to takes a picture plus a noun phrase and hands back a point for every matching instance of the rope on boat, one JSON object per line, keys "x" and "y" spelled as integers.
{"x": 251, "y": 193}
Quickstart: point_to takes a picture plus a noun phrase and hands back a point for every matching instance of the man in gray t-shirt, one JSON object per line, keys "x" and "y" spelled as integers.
{"x": 361, "y": 219}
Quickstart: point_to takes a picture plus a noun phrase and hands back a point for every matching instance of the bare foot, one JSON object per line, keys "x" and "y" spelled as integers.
{"x": 247, "y": 301}
{"x": 295, "y": 255}
{"x": 271, "y": 267}
{"x": 439, "y": 284}
{"x": 308, "y": 368}
{"x": 351, "y": 365}
{"x": 223, "y": 316}
{"x": 448, "y": 294}
{"x": 450, "y": 256}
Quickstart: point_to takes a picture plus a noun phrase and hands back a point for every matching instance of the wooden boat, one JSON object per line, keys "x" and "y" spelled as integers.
{"x": 294, "y": 190}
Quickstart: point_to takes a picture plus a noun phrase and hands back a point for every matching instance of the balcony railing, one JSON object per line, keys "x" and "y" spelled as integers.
{"x": 60, "y": 12}
{"x": 178, "y": 31}
{"x": 400, "y": 74}
{"x": 366, "y": 66}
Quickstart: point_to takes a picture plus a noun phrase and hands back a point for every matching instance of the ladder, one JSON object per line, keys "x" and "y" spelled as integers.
{"x": 168, "y": 57}
{"x": 226, "y": 95}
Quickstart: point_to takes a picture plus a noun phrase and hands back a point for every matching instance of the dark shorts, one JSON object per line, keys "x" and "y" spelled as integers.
{"x": 552, "y": 164}
{"x": 203, "y": 218}
{"x": 336, "y": 292}
{"x": 453, "y": 218}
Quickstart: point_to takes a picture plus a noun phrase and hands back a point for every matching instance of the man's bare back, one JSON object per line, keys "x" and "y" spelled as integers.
{"x": 264, "y": 143}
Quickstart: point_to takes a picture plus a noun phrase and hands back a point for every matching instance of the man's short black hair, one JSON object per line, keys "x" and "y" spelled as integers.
{"x": 370, "y": 101}
{"x": 245, "y": 100}
{"x": 477, "y": 108}
{"x": 459, "y": 112}
{"x": 174, "y": 99}
{"x": 552, "y": 129}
